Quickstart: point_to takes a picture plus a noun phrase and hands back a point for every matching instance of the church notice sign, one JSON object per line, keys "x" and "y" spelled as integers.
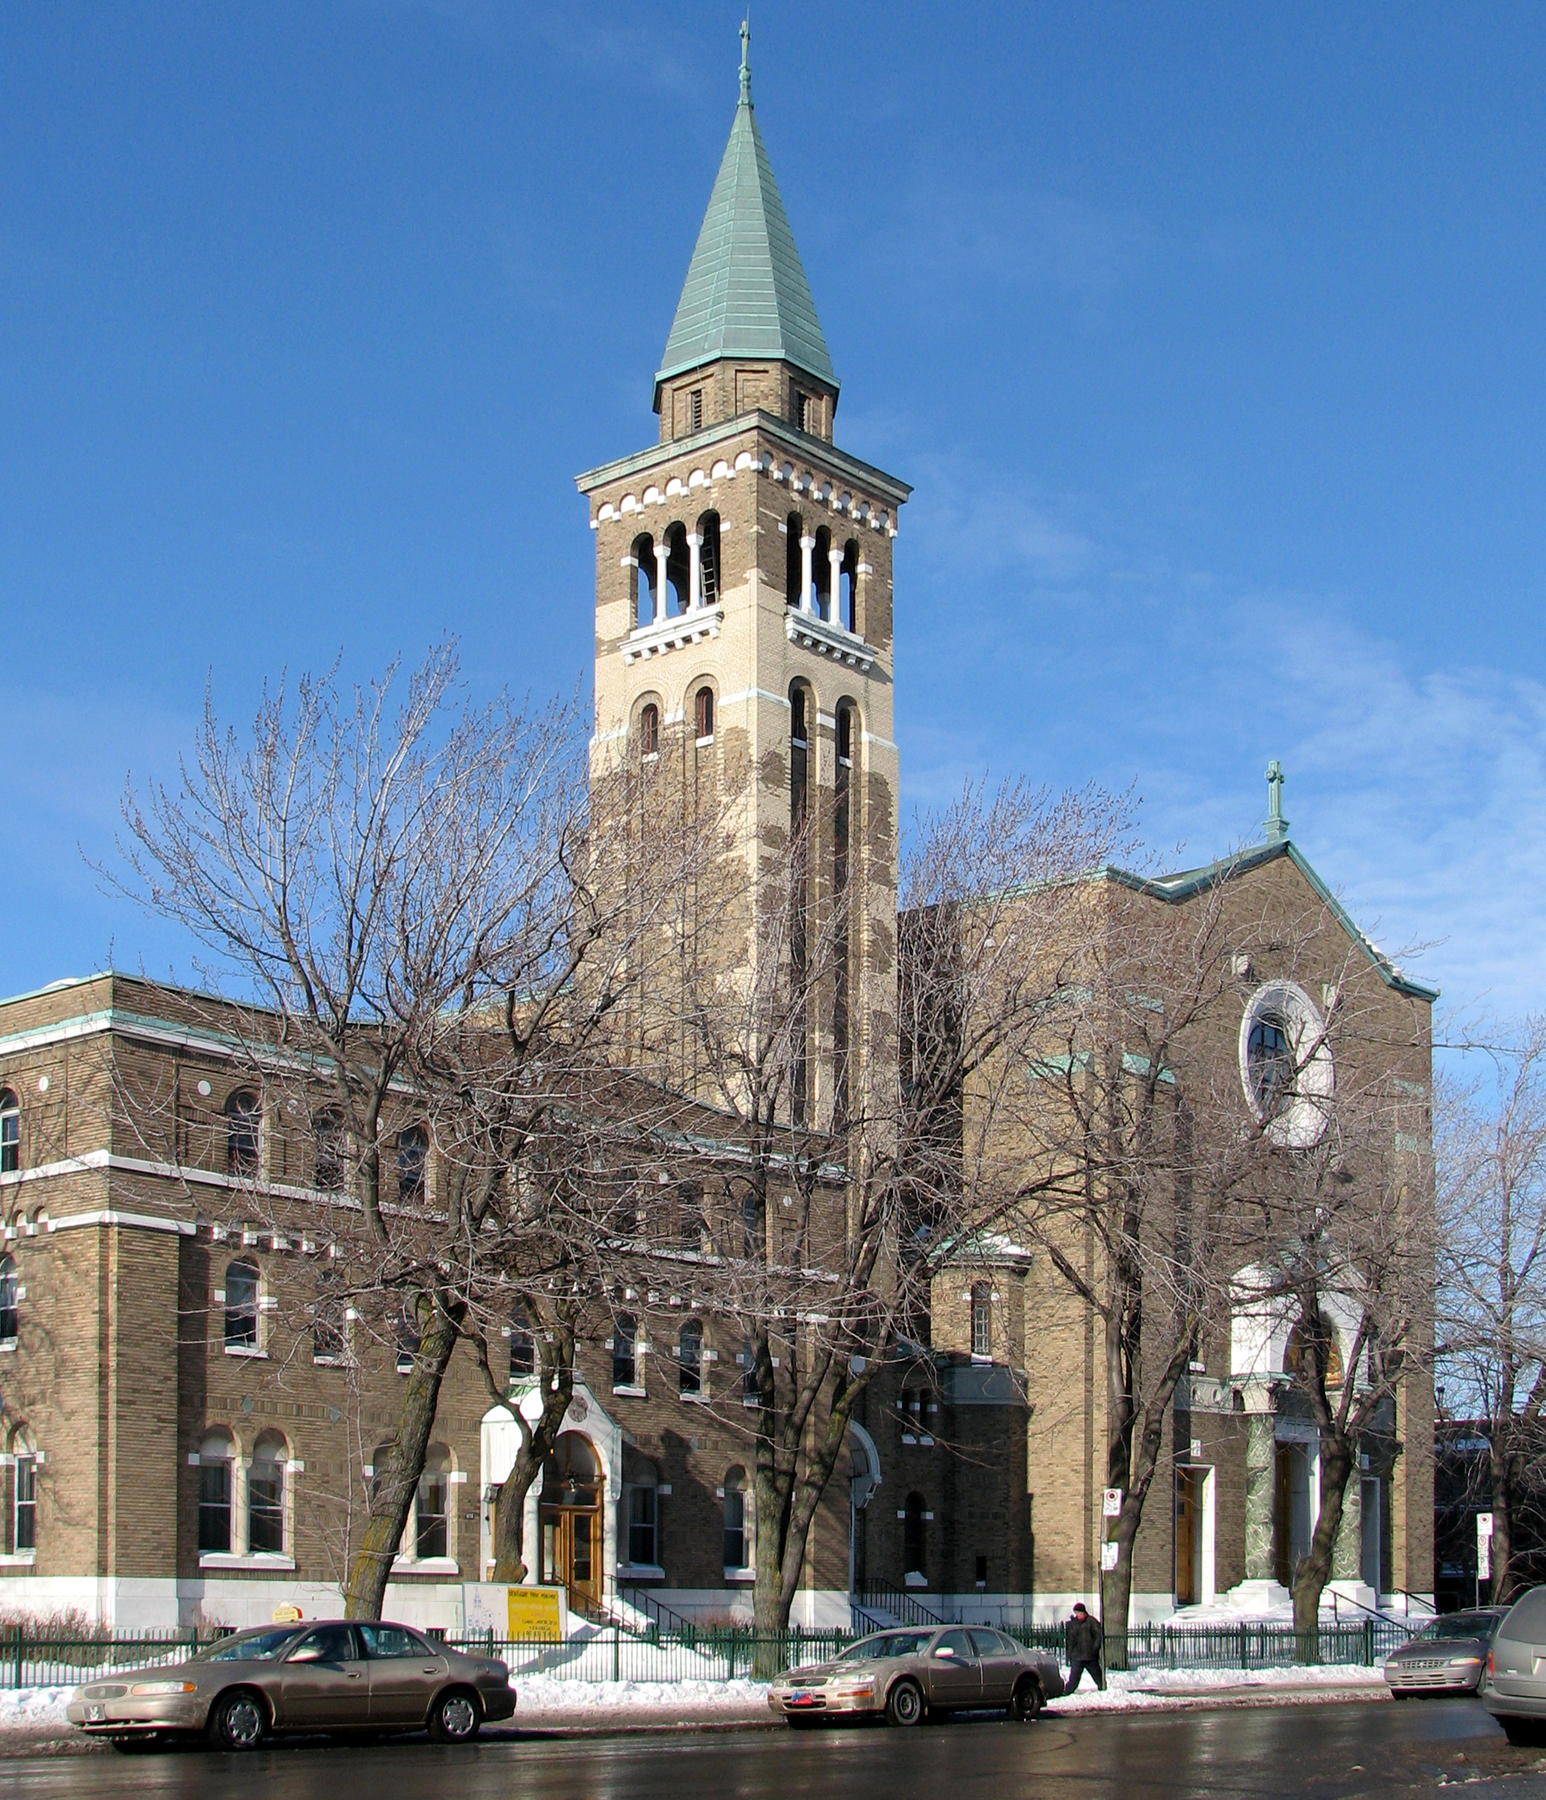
{"x": 503, "y": 1610}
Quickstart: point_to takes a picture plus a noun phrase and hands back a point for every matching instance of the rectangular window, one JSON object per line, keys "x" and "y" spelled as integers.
{"x": 26, "y": 1529}
{"x": 641, "y": 1526}
{"x": 215, "y": 1507}
{"x": 802, "y": 411}
{"x": 10, "y": 1139}
{"x": 266, "y": 1509}
{"x": 431, "y": 1537}
{"x": 695, "y": 410}
{"x": 625, "y": 1367}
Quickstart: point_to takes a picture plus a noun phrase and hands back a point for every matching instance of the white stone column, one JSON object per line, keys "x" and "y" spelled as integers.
{"x": 662, "y": 554}
{"x": 239, "y": 1468}
{"x": 695, "y": 570}
{"x": 807, "y": 575}
{"x": 835, "y": 609}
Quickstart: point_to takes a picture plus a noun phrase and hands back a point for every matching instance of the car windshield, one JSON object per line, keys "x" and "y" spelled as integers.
{"x": 894, "y": 1643}
{"x": 259, "y": 1646}
{"x": 1459, "y": 1625}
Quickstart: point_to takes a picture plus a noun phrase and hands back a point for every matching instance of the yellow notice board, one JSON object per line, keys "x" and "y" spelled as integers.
{"x": 535, "y": 1612}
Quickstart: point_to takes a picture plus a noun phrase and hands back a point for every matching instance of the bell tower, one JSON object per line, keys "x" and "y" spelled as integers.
{"x": 744, "y": 607}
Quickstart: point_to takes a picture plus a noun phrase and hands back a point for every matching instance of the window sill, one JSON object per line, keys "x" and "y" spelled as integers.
{"x": 699, "y": 1399}
{"x": 428, "y": 1565}
{"x": 247, "y": 1350}
{"x": 740, "y": 1577}
{"x": 9, "y": 1346}
{"x": 640, "y": 1572}
{"x": 827, "y": 639}
{"x": 23, "y": 1559}
{"x": 913, "y": 1579}
{"x": 673, "y": 632}
{"x": 630, "y": 1393}
{"x": 331, "y": 1362}
{"x": 259, "y": 1559}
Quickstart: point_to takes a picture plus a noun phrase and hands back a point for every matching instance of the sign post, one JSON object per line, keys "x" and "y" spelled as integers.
{"x": 1483, "y": 1552}
{"x": 1110, "y": 1508}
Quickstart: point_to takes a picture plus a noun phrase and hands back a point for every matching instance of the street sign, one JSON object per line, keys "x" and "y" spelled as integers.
{"x": 1483, "y": 1526}
{"x": 1483, "y": 1560}
{"x": 1111, "y": 1503}
{"x": 1108, "y": 1556}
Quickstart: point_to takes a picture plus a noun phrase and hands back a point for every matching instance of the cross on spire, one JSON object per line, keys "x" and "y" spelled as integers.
{"x": 746, "y": 64}
{"x": 1275, "y": 825}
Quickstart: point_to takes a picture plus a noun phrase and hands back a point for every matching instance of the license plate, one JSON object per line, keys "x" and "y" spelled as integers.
{"x": 96, "y": 1715}
{"x": 800, "y": 1697}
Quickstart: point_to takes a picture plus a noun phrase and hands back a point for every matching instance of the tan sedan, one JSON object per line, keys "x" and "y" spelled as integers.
{"x": 312, "y": 1677}
{"x": 908, "y": 1674}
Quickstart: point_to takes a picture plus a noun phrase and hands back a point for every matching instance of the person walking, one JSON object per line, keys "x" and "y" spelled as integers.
{"x": 1084, "y": 1638}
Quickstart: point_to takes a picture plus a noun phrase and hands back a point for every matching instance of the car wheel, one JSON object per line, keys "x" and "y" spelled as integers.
{"x": 1526, "y": 1732}
{"x": 239, "y": 1721}
{"x": 904, "y": 1704}
{"x": 1027, "y": 1701}
{"x": 455, "y": 1718}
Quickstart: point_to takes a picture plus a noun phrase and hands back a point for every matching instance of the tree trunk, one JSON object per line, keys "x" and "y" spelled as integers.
{"x": 557, "y": 1387}
{"x": 393, "y": 1487}
{"x": 1501, "y": 1500}
{"x": 1336, "y": 1463}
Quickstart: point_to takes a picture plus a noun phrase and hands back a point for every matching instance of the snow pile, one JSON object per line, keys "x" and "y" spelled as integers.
{"x": 1131, "y": 1688}
{"x": 552, "y": 1695}
{"x": 34, "y": 1709}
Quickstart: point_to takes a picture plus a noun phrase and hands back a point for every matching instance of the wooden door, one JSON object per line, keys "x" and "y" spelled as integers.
{"x": 1186, "y": 1537}
{"x": 571, "y": 1552}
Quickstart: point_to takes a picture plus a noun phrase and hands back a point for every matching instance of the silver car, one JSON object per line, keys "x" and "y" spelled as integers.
{"x": 327, "y": 1676}
{"x": 1448, "y": 1656}
{"x": 908, "y": 1674}
{"x": 1515, "y": 1693}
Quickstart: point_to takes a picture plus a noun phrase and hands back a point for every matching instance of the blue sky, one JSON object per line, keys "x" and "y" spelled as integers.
{"x": 1210, "y": 336}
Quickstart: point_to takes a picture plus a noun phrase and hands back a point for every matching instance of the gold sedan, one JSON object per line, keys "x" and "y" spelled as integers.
{"x": 313, "y": 1677}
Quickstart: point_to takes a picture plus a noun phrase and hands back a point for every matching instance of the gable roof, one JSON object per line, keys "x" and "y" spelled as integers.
{"x": 1188, "y": 882}
{"x": 746, "y": 292}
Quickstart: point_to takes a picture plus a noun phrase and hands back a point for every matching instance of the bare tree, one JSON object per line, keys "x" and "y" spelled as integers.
{"x": 402, "y": 900}
{"x": 1491, "y": 1151}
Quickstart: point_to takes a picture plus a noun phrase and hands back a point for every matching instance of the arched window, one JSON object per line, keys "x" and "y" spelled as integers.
{"x": 10, "y": 1132}
{"x": 649, "y": 730}
{"x": 571, "y": 1476}
{"x": 703, "y": 713}
{"x": 794, "y": 564}
{"x": 1331, "y": 1357}
{"x": 241, "y": 1305}
{"x": 409, "y": 1337}
{"x": 243, "y": 1126}
{"x": 216, "y": 1458}
{"x": 842, "y": 983}
{"x": 914, "y": 1536}
{"x": 708, "y": 558}
{"x": 625, "y": 1363}
{"x": 10, "y": 1300}
{"x": 848, "y": 608}
{"x": 23, "y": 1521}
{"x": 982, "y": 1320}
{"x": 821, "y": 572}
{"x": 266, "y": 1496}
{"x": 1270, "y": 1059}
{"x": 737, "y": 1545}
{"x": 523, "y": 1342}
{"x": 331, "y": 1149}
{"x": 412, "y": 1162}
{"x": 431, "y": 1536}
{"x": 678, "y": 568}
{"x": 327, "y": 1320}
{"x": 642, "y": 556}
{"x": 689, "y": 1358}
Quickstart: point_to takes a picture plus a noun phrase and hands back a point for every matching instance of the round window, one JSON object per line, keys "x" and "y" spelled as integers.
{"x": 1285, "y": 1065}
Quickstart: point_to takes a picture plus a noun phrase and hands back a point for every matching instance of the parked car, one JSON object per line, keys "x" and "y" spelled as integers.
{"x": 1448, "y": 1656}
{"x": 910, "y": 1673}
{"x": 324, "y": 1676}
{"x": 1515, "y": 1693}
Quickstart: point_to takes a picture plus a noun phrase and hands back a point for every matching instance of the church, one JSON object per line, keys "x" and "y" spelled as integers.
{"x": 177, "y": 1449}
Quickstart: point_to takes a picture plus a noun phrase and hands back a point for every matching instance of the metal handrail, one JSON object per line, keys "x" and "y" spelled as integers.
{"x": 899, "y": 1601}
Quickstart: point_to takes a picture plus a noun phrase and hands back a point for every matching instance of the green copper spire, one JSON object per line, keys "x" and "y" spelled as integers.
{"x": 746, "y": 292}
{"x": 1275, "y": 825}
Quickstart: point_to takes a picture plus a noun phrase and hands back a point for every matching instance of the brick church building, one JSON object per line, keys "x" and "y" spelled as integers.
{"x": 179, "y": 1446}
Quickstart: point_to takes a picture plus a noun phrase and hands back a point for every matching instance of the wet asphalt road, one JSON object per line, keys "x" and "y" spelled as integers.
{"x": 1309, "y": 1751}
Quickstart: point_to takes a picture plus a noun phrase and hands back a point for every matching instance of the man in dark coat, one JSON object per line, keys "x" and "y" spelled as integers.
{"x": 1084, "y": 1638}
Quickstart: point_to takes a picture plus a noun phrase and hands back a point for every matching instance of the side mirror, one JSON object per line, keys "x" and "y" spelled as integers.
{"x": 944, "y": 1650}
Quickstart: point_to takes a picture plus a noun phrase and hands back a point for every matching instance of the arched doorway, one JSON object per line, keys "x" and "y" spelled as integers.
{"x": 571, "y": 1520}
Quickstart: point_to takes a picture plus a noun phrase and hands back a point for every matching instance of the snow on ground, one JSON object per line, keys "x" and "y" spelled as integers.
{"x": 550, "y": 1701}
